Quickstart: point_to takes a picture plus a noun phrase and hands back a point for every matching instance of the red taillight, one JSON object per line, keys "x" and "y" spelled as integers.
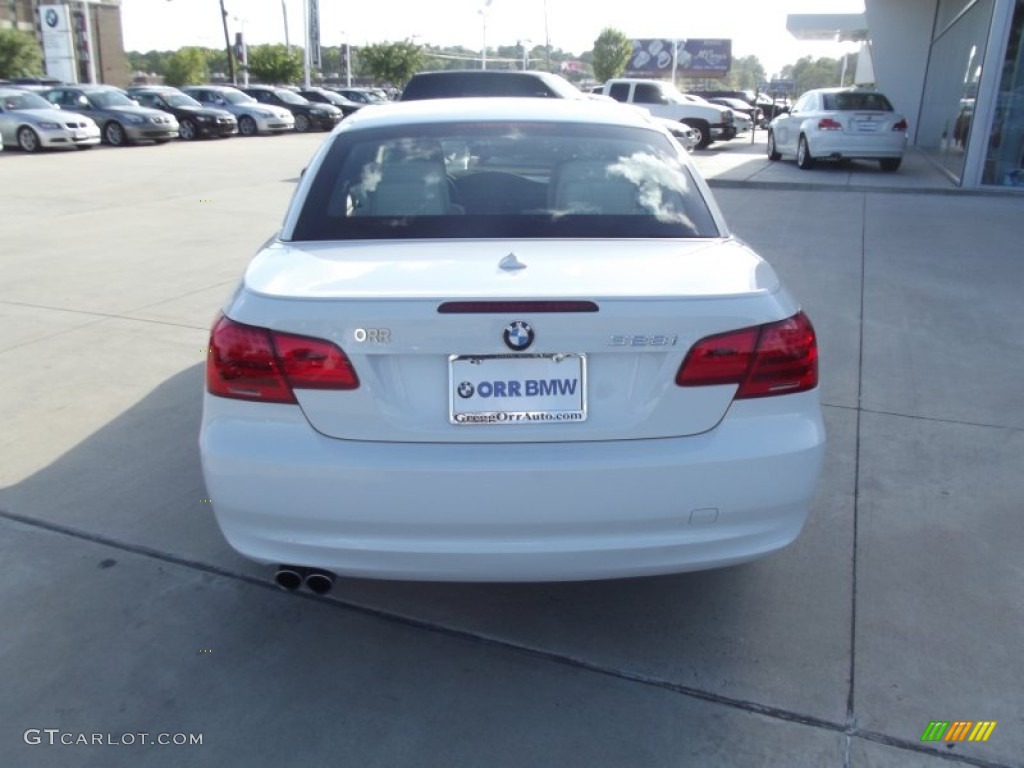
{"x": 250, "y": 363}
{"x": 774, "y": 359}
{"x": 828, "y": 124}
{"x": 900, "y": 125}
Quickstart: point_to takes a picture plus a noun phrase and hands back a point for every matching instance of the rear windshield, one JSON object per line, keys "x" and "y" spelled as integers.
{"x": 842, "y": 102}
{"x": 505, "y": 180}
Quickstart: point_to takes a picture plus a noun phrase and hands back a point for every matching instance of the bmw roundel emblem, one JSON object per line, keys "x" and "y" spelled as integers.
{"x": 518, "y": 335}
{"x": 465, "y": 390}
{"x": 51, "y": 18}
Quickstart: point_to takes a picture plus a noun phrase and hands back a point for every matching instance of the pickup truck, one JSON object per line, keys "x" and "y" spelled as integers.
{"x": 662, "y": 99}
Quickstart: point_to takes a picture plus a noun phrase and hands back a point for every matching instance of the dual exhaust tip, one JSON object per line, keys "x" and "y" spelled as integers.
{"x": 291, "y": 577}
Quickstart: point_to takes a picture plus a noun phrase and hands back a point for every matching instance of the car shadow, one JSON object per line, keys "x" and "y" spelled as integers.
{"x": 135, "y": 485}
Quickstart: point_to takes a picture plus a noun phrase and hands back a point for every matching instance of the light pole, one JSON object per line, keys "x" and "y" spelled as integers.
{"x": 243, "y": 53}
{"x": 306, "y": 37}
{"x": 526, "y": 55}
{"x": 348, "y": 62}
{"x": 483, "y": 18}
{"x": 547, "y": 36}
{"x": 287, "y": 40}
{"x": 227, "y": 44}
{"x": 483, "y": 48}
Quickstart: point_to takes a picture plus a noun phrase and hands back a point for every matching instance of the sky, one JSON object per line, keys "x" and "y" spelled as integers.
{"x": 756, "y": 27}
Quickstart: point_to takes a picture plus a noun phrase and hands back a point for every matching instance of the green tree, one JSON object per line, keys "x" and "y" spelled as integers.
{"x": 810, "y": 73}
{"x": 273, "y": 64}
{"x": 746, "y": 73}
{"x": 187, "y": 66}
{"x": 216, "y": 61}
{"x": 612, "y": 50}
{"x": 331, "y": 64}
{"x": 151, "y": 62}
{"x": 391, "y": 63}
{"x": 19, "y": 54}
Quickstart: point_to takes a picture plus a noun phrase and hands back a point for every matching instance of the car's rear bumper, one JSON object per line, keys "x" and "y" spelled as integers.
{"x": 868, "y": 147}
{"x": 283, "y": 493}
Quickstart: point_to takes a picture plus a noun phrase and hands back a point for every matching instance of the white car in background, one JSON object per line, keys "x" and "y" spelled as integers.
{"x": 507, "y": 340}
{"x": 840, "y": 124}
{"x": 30, "y": 122}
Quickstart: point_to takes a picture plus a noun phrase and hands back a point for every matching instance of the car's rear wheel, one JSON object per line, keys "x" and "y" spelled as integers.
{"x": 301, "y": 123}
{"x": 803, "y": 155}
{"x": 773, "y": 153}
{"x": 28, "y": 141}
{"x": 890, "y": 163}
{"x": 246, "y": 126}
{"x": 702, "y": 132}
{"x": 187, "y": 130}
{"x": 114, "y": 134}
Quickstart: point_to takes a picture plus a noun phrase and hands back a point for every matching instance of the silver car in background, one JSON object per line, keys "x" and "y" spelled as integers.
{"x": 253, "y": 117}
{"x": 31, "y": 123}
{"x": 121, "y": 120}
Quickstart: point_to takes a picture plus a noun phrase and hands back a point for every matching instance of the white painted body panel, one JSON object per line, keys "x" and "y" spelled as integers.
{"x": 283, "y": 493}
{"x": 684, "y": 290}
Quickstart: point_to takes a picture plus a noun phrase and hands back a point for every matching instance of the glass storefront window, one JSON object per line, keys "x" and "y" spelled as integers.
{"x": 1004, "y": 165}
{"x": 951, "y": 87}
{"x": 948, "y": 11}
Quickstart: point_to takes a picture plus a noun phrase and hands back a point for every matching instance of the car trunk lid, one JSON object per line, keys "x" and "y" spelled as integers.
{"x": 436, "y": 331}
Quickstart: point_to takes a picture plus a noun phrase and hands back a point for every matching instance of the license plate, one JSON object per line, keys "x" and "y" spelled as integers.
{"x": 517, "y": 389}
{"x": 867, "y": 124}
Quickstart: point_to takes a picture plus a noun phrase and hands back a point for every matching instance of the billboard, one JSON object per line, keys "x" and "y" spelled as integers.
{"x": 58, "y": 45}
{"x": 694, "y": 57}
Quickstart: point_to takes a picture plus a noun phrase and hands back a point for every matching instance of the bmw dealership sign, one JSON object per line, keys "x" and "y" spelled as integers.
{"x": 58, "y": 46}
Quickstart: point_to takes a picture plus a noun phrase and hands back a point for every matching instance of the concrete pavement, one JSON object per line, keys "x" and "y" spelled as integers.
{"x": 124, "y": 612}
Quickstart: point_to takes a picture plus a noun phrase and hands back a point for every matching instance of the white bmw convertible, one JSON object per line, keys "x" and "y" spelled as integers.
{"x": 507, "y": 340}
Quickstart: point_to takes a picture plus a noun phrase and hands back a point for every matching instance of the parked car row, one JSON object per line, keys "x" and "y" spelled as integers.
{"x": 34, "y": 117}
{"x": 763, "y": 109}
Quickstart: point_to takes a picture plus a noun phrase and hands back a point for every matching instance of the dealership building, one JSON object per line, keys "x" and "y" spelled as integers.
{"x": 955, "y": 68}
{"x": 82, "y": 41}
